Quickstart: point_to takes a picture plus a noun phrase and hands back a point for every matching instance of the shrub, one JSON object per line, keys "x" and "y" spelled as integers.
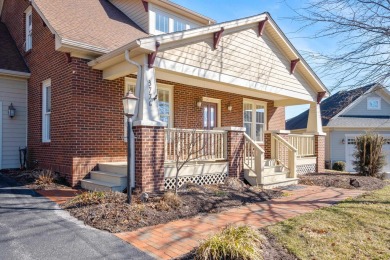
{"x": 232, "y": 243}
{"x": 88, "y": 198}
{"x": 172, "y": 200}
{"x": 339, "y": 166}
{"x": 44, "y": 179}
{"x": 369, "y": 157}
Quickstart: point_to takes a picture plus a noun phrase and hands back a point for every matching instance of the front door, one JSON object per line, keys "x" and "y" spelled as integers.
{"x": 209, "y": 115}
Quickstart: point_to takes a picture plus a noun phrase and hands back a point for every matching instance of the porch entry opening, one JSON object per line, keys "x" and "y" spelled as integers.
{"x": 209, "y": 115}
{"x": 254, "y": 120}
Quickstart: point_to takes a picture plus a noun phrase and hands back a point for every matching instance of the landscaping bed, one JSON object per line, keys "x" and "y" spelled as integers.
{"x": 342, "y": 180}
{"x": 108, "y": 210}
{"x": 36, "y": 179}
{"x": 353, "y": 229}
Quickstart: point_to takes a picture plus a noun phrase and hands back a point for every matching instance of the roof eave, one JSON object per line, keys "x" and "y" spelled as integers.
{"x": 14, "y": 73}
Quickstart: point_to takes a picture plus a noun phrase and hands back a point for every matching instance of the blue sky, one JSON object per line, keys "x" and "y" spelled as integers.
{"x": 280, "y": 10}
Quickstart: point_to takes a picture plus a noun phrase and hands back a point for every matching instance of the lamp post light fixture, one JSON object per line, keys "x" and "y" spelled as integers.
{"x": 11, "y": 111}
{"x": 129, "y": 105}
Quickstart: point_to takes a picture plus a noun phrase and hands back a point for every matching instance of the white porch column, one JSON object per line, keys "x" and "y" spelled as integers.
{"x": 147, "y": 92}
{"x": 314, "y": 121}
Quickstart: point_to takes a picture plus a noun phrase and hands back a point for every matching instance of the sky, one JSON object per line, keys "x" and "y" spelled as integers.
{"x": 280, "y": 10}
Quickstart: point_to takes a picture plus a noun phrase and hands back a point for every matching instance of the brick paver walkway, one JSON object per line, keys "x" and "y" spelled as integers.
{"x": 59, "y": 196}
{"x": 176, "y": 238}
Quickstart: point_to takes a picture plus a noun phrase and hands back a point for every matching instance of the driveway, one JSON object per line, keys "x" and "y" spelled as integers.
{"x": 32, "y": 227}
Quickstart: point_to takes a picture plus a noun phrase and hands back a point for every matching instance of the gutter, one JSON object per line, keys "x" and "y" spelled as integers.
{"x": 16, "y": 74}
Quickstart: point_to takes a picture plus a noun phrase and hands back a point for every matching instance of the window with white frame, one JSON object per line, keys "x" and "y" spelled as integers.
{"x": 28, "y": 29}
{"x": 162, "y": 22}
{"x": 179, "y": 26}
{"x": 46, "y": 110}
{"x": 165, "y": 100}
{"x": 374, "y": 103}
{"x": 255, "y": 119}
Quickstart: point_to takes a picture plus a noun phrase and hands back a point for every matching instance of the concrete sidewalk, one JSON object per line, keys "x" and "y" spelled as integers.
{"x": 176, "y": 238}
{"x": 33, "y": 227}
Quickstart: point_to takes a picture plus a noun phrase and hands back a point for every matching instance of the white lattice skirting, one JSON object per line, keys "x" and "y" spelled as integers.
{"x": 306, "y": 168}
{"x": 169, "y": 183}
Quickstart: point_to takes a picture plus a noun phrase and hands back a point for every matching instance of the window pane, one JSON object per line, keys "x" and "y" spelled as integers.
{"x": 248, "y": 129}
{"x": 205, "y": 117}
{"x": 259, "y": 132}
{"x": 48, "y": 99}
{"x": 179, "y": 26}
{"x": 162, "y": 23}
{"x": 259, "y": 114}
{"x": 247, "y": 112}
{"x": 163, "y": 105}
{"x": 130, "y": 87}
{"x": 47, "y": 134}
{"x": 212, "y": 116}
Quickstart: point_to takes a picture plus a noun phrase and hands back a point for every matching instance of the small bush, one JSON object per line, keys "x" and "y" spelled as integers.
{"x": 232, "y": 243}
{"x": 339, "y": 166}
{"x": 172, "y": 200}
{"x": 88, "y": 198}
{"x": 44, "y": 179}
{"x": 369, "y": 157}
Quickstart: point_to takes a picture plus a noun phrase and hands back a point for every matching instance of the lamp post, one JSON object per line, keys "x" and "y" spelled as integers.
{"x": 129, "y": 105}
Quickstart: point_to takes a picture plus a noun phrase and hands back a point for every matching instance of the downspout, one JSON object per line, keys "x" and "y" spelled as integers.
{"x": 137, "y": 92}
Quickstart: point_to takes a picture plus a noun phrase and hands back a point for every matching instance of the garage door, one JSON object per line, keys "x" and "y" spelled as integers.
{"x": 350, "y": 149}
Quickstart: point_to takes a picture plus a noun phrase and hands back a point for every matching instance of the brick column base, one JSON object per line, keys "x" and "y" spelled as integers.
{"x": 149, "y": 158}
{"x": 267, "y": 146}
{"x": 319, "y": 143}
{"x": 235, "y": 153}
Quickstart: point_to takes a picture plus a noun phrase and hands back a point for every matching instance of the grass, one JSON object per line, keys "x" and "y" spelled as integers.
{"x": 354, "y": 229}
{"x": 241, "y": 243}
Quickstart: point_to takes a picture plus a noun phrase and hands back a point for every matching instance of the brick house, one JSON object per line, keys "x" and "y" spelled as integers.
{"x": 226, "y": 83}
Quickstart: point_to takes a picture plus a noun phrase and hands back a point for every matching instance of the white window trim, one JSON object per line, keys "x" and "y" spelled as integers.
{"x": 218, "y": 102}
{"x": 254, "y": 103}
{"x": 45, "y": 84}
{"x": 372, "y": 99}
{"x": 28, "y": 37}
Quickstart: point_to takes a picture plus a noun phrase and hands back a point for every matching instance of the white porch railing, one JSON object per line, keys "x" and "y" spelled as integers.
{"x": 254, "y": 158}
{"x": 303, "y": 143}
{"x": 197, "y": 145}
{"x": 285, "y": 154}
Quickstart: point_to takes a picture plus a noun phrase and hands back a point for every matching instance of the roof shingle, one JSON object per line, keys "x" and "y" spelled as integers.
{"x": 97, "y": 23}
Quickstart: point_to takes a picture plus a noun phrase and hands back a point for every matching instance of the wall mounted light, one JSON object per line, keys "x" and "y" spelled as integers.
{"x": 11, "y": 111}
{"x": 230, "y": 107}
{"x": 343, "y": 141}
{"x": 199, "y": 103}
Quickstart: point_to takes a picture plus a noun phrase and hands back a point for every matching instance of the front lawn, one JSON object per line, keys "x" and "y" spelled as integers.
{"x": 354, "y": 229}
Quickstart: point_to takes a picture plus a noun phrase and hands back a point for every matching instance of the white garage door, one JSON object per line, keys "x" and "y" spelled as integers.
{"x": 350, "y": 149}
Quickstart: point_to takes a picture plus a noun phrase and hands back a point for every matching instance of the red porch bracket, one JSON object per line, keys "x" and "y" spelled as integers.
{"x": 320, "y": 96}
{"x": 146, "y": 5}
{"x": 217, "y": 37}
{"x": 294, "y": 65}
{"x": 152, "y": 56}
{"x": 262, "y": 26}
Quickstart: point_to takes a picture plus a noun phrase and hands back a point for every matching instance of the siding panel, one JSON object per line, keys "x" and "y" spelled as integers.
{"x": 361, "y": 108}
{"x": 13, "y": 130}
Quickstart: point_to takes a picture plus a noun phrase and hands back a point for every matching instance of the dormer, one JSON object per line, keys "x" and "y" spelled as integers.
{"x": 161, "y": 16}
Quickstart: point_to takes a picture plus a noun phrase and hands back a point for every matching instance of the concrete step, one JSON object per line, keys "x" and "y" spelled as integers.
{"x": 275, "y": 177}
{"x": 114, "y": 167}
{"x": 95, "y": 185}
{"x": 115, "y": 178}
{"x": 287, "y": 182}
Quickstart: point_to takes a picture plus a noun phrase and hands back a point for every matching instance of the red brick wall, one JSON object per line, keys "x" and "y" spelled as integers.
{"x": 149, "y": 157}
{"x": 320, "y": 153}
{"x": 235, "y": 154}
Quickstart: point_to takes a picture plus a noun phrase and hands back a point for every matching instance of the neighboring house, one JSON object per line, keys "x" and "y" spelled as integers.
{"x": 348, "y": 114}
{"x": 13, "y": 94}
{"x": 223, "y": 79}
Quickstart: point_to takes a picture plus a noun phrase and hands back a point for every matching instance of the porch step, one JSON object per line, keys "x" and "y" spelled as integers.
{"x": 114, "y": 167}
{"x": 269, "y": 162}
{"x": 95, "y": 185}
{"x": 114, "y": 178}
{"x": 275, "y": 177}
{"x": 286, "y": 182}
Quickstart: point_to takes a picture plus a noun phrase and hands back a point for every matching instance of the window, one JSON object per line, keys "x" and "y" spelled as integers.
{"x": 165, "y": 100}
{"x": 179, "y": 26}
{"x": 46, "y": 110}
{"x": 373, "y": 103}
{"x": 254, "y": 119}
{"x": 162, "y": 23}
{"x": 28, "y": 29}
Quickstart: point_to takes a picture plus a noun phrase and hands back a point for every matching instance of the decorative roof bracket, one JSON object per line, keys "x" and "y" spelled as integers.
{"x": 320, "y": 96}
{"x": 262, "y": 26}
{"x": 217, "y": 37}
{"x": 152, "y": 56}
{"x": 146, "y": 5}
{"x": 294, "y": 65}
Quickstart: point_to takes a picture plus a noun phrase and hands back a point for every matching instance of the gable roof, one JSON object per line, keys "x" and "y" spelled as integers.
{"x": 10, "y": 58}
{"x": 330, "y": 107}
{"x": 148, "y": 44}
{"x": 93, "y": 24}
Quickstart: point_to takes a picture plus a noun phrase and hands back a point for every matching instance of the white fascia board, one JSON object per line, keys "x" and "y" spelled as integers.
{"x": 67, "y": 43}
{"x": 16, "y": 74}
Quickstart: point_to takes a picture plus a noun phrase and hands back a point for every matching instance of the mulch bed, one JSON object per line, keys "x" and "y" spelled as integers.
{"x": 108, "y": 211}
{"x": 28, "y": 179}
{"x": 341, "y": 180}
{"x": 272, "y": 250}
